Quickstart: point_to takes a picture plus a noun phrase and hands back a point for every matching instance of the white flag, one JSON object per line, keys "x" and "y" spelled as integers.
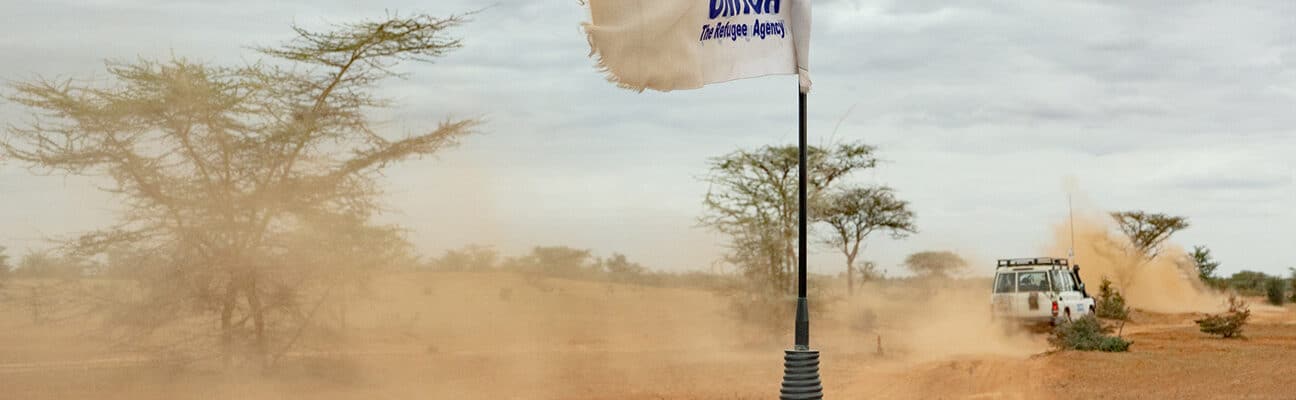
{"x": 685, "y": 44}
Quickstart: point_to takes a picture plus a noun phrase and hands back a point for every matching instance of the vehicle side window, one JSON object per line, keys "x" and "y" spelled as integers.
{"x": 1060, "y": 281}
{"x": 1067, "y": 284}
{"x": 1004, "y": 283}
{"x": 1032, "y": 281}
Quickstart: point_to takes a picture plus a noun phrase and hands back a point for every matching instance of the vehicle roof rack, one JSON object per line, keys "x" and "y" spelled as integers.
{"x": 1024, "y": 262}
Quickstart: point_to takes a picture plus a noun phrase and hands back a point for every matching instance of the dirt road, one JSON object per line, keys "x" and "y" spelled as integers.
{"x": 499, "y": 336}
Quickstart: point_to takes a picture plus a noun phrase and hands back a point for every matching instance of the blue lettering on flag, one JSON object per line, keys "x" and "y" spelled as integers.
{"x": 727, "y": 29}
{"x": 729, "y": 8}
{"x": 758, "y": 29}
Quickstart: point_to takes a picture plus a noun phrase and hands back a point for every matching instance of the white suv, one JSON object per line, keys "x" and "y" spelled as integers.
{"x": 1036, "y": 290}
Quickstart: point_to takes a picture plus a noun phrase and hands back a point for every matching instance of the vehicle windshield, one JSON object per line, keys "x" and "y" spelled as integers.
{"x": 1032, "y": 281}
{"x": 1004, "y": 283}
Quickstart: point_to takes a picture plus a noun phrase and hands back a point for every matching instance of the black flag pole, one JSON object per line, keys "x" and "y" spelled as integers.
{"x": 803, "y": 311}
{"x": 801, "y": 364}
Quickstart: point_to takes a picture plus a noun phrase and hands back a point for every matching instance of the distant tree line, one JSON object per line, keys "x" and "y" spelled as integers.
{"x": 568, "y": 263}
{"x": 1276, "y": 289}
{"x": 4, "y": 264}
{"x": 47, "y": 265}
{"x": 940, "y": 264}
{"x": 547, "y": 261}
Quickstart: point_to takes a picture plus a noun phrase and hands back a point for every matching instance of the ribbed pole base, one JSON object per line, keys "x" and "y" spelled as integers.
{"x": 801, "y": 376}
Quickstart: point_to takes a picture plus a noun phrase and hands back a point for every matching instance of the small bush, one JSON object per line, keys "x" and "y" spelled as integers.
{"x": 1111, "y": 304}
{"x": 765, "y": 310}
{"x": 762, "y": 307}
{"x": 1087, "y": 334}
{"x": 1274, "y": 291}
{"x": 864, "y": 321}
{"x": 1228, "y": 324}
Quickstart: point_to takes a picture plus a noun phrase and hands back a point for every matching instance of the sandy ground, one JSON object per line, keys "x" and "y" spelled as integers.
{"x": 499, "y": 336}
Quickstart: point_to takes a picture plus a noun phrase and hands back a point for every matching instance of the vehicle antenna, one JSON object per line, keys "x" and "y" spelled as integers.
{"x": 1071, "y": 212}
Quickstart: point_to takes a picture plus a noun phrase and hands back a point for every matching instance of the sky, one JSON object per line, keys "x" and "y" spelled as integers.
{"x": 987, "y": 114}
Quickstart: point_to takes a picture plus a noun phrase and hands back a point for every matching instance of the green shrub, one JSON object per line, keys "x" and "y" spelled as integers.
{"x": 1228, "y": 324}
{"x": 1087, "y": 334}
{"x": 1275, "y": 291}
{"x": 1110, "y": 302}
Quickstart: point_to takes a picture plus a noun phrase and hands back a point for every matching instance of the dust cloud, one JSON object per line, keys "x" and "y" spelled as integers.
{"x": 1167, "y": 283}
{"x": 921, "y": 320}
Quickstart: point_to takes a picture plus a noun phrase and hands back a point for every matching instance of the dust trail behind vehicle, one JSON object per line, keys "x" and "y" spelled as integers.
{"x": 1167, "y": 283}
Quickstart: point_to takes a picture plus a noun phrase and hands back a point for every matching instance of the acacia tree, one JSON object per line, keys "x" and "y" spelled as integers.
{"x": 556, "y": 261}
{"x": 853, "y": 214}
{"x": 1144, "y": 233}
{"x": 1147, "y": 231}
{"x": 621, "y": 269}
{"x": 935, "y": 263}
{"x": 246, "y": 191}
{"x": 753, "y": 200}
{"x": 472, "y": 257}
